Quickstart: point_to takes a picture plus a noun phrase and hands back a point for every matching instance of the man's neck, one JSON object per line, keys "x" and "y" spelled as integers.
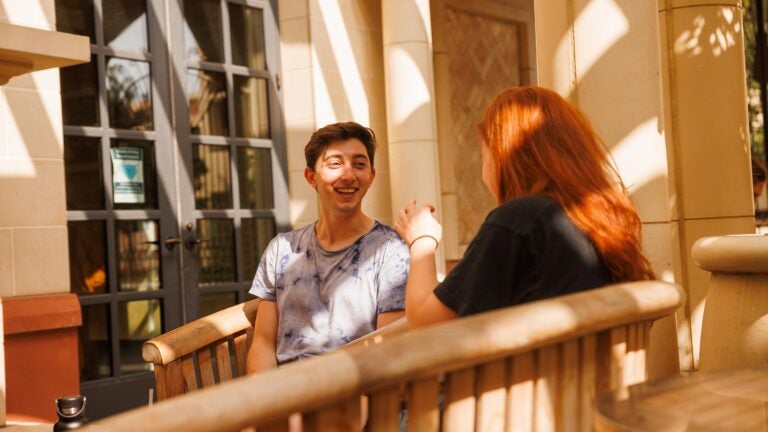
{"x": 338, "y": 231}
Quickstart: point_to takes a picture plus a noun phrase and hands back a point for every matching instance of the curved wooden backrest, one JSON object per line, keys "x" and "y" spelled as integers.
{"x": 202, "y": 353}
{"x": 531, "y": 367}
{"x": 213, "y": 349}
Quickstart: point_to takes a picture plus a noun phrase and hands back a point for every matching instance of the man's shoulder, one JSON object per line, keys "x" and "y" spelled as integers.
{"x": 298, "y": 234}
{"x": 383, "y": 233}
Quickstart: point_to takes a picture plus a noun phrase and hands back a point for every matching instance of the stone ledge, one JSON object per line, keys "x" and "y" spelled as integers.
{"x": 25, "y": 49}
{"x": 38, "y": 313}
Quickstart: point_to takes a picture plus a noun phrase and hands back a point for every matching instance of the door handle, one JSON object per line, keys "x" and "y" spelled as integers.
{"x": 191, "y": 241}
{"x": 171, "y": 242}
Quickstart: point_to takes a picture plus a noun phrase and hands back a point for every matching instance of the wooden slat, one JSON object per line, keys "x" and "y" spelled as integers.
{"x": 385, "y": 410}
{"x": 206, "y": 367}
{"x": 223, "y": 363}
{"x": 459, "y": 414}
{"x": 188, "y": 370}
{"x": 545, "y": 405}
{"x": 603, "y": 361}
{"x": 618, "y": 357}
{"x": 588, "y": 381}
{"x": 570, "y": 392}
{"x": 423, "y": 415}
{"x": 521, "y": 393}
{"x": 343, "y": 416}
{"x": 241, "y": 343}
{"x": 169, "y": 380}
{"x": 643, "y": 339}
{"x": 631, "y": 357}
{"x": 491, "y": 396}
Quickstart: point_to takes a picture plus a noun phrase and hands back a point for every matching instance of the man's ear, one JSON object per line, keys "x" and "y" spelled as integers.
{"x": 309, "y": 175}
{"x": 373, "y": 174}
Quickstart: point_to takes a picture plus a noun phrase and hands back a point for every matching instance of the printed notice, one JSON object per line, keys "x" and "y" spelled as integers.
{"x": 128, "y": 174}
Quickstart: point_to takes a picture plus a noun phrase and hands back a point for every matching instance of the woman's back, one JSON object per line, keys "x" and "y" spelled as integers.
{"x": 527, "y": 249}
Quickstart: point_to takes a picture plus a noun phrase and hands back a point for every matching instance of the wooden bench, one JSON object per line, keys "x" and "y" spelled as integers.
{"x": 537, "y": 367}
{"x": 213, "y": 349}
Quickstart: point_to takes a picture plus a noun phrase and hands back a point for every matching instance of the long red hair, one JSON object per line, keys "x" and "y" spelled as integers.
{"x": 539, "y": 144}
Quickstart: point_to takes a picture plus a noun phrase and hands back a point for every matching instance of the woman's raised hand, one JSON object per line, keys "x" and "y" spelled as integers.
{"x": 415, "y": 224}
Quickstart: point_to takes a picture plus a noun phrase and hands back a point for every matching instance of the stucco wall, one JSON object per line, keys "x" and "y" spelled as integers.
{"x": 33, "y": 231}
{"x": 333, "y": 71}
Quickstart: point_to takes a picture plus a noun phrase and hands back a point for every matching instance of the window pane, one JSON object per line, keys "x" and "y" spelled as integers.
{"x": 202, "y": 31}
{"x": 137, "y": 322}
{"x": 255, "y": 235}
{"x": 207, "y": 101}
{"x": 134, "y": 175}
{"x": 82, "y": 171}
{"x": 75, "y": 16}
{"x": 210, "y": 303}
{"x": 251, "y": 107}
{"x": 213, "y": 188}
{"x": 138, "y": 255}
{"x": 254, "y": 170}
{"x": 246, "y": 27}
{"x": 87, "y": 257}
{"x": 216, "y": 254}
{"x": 125, "y": 24}
{"x": 80, "y": 94}
{"x": 93, "y": 338}
{"x": 129, "y": 94}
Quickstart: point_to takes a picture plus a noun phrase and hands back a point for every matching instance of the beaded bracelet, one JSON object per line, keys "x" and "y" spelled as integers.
{"x": 437, "y": 243}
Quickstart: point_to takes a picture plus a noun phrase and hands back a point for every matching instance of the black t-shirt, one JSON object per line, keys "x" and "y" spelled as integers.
{"x": 527, "y": 249}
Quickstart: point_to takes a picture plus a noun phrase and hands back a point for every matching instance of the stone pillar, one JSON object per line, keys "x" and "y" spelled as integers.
{"x": 604, "y": 57}
{"x": 705, "y": 101}
{"x": 410, "y": 95}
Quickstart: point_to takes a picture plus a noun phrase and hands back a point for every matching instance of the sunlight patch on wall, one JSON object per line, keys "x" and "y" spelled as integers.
{"x": 31, "y": 14}
{"x": 345, "y": 58}
{"x": 17, "y": 168}
{"x": 412, "y": 93}
{"x": 426, "y": 17}
{"x": 607, "y": 20}
{"x": 719, "y": 36}
{"x": 325, "y": 112}
{"x": 641, "y": 156}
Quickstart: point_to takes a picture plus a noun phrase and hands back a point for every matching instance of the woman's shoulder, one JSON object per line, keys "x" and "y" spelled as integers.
{"x": 524, "y": 211}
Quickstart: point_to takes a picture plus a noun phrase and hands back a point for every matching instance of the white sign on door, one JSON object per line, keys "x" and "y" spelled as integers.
{"x": 128, "y": 174}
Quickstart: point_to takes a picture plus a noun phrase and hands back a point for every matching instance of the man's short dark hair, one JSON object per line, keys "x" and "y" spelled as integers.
{"x": 335, "y": 132}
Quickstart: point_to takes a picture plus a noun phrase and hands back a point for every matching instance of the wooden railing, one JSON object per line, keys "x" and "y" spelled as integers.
{"x": 531, "y": 367}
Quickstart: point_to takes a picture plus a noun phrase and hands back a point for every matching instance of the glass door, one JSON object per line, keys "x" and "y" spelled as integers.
{"x": 174, "y": 167}
{"x": 228, "y": 133}
{"x": 121, "y": 196}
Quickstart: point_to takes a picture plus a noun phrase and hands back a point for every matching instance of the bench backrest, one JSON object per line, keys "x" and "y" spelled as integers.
{"x": 213, "y": 349}
{"x": 531, "y": 367}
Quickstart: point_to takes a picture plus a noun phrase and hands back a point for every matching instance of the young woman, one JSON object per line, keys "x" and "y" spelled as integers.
{"x": 564, "y": 223}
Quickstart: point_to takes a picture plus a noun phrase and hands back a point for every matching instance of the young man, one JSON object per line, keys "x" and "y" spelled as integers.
{"x": 339, "y": 278}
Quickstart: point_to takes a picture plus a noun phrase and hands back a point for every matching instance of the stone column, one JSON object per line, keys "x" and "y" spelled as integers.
{"x": 705, "y": 101}
{"x": 410, "y": 94}
{"x": 604, "y": 57}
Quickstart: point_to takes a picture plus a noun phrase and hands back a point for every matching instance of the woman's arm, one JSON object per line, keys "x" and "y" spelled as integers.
{"x": 422, "y": 233}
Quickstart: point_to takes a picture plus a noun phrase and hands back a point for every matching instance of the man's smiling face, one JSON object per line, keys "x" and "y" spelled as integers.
{"x": 342, "y": 176}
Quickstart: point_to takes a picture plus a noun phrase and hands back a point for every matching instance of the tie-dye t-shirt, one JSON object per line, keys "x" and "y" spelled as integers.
{"x": 327, "y": 299}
